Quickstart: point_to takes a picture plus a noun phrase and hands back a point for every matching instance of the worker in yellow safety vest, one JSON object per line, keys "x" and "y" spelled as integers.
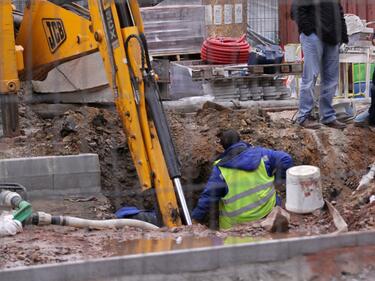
{"x": 242, "y": 182}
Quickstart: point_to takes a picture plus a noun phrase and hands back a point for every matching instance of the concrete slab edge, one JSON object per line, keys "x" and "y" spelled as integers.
{"x": 194, "y": 260}
{"x": 193, "y": 104}
{"x": 62, "y": 175}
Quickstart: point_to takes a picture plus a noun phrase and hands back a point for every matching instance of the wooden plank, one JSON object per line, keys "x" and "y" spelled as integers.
{"x": 297, "y": 68}
{"x": 196, "y": 76}
{"x": 285, "y": 68}
{"x": 258, "y": 68}
{"x": 217, "y": 75}
{"x": 338, "y": 220}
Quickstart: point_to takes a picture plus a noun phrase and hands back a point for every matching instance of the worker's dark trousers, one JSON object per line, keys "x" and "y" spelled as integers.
{"x": 372, "y": 107}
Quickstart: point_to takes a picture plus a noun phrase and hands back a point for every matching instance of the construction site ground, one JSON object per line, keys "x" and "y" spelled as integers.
{"x": 343, "y": 157}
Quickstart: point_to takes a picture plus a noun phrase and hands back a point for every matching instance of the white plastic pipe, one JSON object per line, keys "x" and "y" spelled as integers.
{"x": 101, "y": 224}
{"x": 366, "y": 179}
{"x": 47, "y": 219}
{"x": 9, "y": 226}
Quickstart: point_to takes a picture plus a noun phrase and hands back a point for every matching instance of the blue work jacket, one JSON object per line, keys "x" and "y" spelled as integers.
{"x": 242, "y": 156}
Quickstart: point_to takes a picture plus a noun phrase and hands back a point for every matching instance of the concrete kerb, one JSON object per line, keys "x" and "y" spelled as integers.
{"x": 54, "y": 176}
{"x": 193, "y": 104}
{"x": 184, "y": 261}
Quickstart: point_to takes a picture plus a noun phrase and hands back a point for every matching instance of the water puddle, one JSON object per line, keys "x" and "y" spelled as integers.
{"x": 144, "y": 246}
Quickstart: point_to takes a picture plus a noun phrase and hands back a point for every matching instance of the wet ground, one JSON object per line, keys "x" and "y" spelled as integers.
{"x": 55, "y": 244}
{"x": 343, "y": 157}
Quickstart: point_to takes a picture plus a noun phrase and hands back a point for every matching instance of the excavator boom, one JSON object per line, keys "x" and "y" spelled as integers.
{"x": 50, "y": 34}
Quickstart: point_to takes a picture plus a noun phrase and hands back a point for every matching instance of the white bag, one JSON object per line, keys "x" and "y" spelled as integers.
{"x": 9, "y": 226}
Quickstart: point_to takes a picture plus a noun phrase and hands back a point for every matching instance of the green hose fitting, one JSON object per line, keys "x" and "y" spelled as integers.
{"x": 23, "y": 211}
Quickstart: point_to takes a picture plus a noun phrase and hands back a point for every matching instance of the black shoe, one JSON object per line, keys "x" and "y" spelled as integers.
{"x": 310, "y": 124}
{"x": 336, "y": 125}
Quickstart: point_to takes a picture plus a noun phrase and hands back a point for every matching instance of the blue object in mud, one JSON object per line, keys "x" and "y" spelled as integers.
{"x": 127, "y": 212}
{"x": 137, "y": 214}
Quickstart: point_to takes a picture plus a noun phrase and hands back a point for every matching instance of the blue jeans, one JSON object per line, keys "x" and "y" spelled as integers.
{"x": 279, "y": 201}
{"x": 320, "y": 58}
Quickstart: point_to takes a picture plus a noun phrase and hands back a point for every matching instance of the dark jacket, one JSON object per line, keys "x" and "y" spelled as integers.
{"x": 322, "y": 17}
{"x": 241, "y": 156}
{"x": 372, "y": 106}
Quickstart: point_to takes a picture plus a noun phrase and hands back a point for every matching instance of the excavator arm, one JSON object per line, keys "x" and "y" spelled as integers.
{"x": 50, "y": 34}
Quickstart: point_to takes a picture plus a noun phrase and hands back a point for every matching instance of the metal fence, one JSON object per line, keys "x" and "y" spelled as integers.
{"x": 263, "y": 18}
{"x": 20, "y": 4}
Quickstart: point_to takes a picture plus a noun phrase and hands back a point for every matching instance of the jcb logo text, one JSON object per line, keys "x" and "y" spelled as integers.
{"x": 55, "y": 32}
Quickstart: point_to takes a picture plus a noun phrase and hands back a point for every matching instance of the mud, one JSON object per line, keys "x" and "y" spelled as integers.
{"x": 343, "y": 157}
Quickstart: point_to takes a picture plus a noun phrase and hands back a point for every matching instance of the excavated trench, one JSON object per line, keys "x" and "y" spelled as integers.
{"x": 343, "y": 157}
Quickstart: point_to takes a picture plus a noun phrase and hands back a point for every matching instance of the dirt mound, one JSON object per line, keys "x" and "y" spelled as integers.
{"x": 343, "y": 157}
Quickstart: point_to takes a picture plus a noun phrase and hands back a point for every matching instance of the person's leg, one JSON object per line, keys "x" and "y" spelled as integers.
{"x": 312, "y": 50}
{"x": 279, "y": 201}
{"x": 329, "y": 82}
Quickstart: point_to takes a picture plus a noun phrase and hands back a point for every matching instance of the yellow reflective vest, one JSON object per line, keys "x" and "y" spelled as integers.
{"x": 251, "y": 195}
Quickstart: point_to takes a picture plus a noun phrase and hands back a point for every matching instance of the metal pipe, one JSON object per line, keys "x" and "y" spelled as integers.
{"x": 9, "y": 199}
{"x": 182, "y": 200}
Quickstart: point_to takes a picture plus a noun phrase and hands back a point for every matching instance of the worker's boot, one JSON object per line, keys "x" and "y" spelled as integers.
{"x": 309, "y": 123}
{"x": 336, "y": 125}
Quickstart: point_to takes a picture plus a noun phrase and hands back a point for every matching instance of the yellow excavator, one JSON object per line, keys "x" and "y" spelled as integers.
{"x": 49, "y": 33}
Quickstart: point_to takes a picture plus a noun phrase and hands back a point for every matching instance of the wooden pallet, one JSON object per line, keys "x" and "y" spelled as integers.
{"x": 177, "y": 56}
{"x": 276, "y": 68}
{"x": 212, "y": 72}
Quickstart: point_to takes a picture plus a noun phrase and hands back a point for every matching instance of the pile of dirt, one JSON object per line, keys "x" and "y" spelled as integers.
{"x": 343, "y": 157}
{"x": 86, "y": 130}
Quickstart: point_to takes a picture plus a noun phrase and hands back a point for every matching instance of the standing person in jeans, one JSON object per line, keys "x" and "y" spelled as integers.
{"x": 322, "y": 29}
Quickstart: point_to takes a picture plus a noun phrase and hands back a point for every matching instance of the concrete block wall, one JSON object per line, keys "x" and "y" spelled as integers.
{"x": 54, "y": 176}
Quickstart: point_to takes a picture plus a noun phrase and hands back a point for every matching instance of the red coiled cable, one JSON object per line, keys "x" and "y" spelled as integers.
{"x": 225, "y": 50}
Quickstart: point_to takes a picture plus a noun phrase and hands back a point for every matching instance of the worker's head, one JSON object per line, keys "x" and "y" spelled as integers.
{"x": 228, "y": 137}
